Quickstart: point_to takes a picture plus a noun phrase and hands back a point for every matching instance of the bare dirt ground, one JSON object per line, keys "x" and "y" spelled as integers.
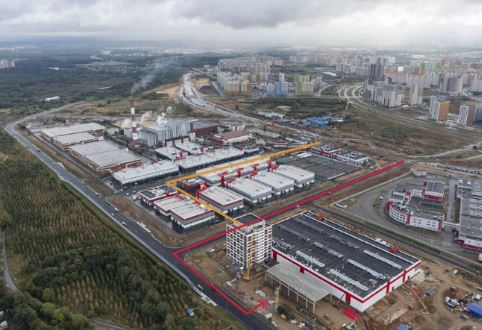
{"x": 403, "y": 307}
{"x": 169, "y": 89}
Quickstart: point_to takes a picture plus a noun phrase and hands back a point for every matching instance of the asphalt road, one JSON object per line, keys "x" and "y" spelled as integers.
{"x": 162, "y": 252}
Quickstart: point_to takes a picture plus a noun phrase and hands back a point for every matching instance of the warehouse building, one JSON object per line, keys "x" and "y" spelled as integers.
{"x": 170, "y": 153}
{"x": 223, "y": 199}
{"x": 237, "y": 171}
{"x": 190, "y": 216}
{"x": 189, "y": 147}
{"x": 165, "y": 206}
{"x": 145, "y": 172}
{"x": 280, "y": 185}
{"x": 254, "y": 193}
{"x": 151, "y": 195}
{"x": 216, "y": 156}
{"x": 353, "y": 158}
{"x": 251, "y": 244}
{"x": 302, "y": 178}
{"x": 351, "y": 267}
{"x": 232, "y": 137}
{"x": 104, "y": 157}
{"x": 65, "y": 141}
{"x": 93, "y": 128}
{"x": 469, "y": 233}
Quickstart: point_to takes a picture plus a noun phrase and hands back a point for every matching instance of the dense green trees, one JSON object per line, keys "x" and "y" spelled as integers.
{"x": 70, "y": 256}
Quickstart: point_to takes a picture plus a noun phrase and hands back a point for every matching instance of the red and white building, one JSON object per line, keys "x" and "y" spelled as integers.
{"x": 231, "y": 137}
{"x": 151, "y": 195}
{"x": 223, "y": 199}
{"x": 352, "y": 267}
{"x": 406, "y": 205}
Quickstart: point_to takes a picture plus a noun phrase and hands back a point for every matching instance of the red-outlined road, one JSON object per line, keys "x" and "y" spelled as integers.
{"x": 177, "y": 254}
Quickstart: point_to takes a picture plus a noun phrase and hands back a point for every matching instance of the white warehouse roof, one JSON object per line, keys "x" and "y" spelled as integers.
{"x": 146, "y": 171}
{"x": 249, "y": 187}
{"x": 298, "y": 174}
{"x": 104, "y": 154}
{"x": 167, "y": 204}
{"x": 97, "y": 147}
{"x": 78, "y": 128}
{"x": 169, "y": 152}
{"x": 76, "y": 138}
{"x": 221, "y": 195}
{"x": 275, "y": 181}
{"x": 189, "y": 211}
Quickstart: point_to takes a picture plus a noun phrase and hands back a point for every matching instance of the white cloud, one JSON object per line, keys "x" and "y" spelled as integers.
{"x": 371, "y": 22}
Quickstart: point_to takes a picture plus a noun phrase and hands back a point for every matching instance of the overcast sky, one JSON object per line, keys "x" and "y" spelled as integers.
{"x": 218, "y": 23}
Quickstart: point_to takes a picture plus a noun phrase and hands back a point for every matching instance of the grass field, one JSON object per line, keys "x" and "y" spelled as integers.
{"x": 64, "y": 251}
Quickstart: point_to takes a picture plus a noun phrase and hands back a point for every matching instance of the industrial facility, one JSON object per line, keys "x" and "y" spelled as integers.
{"x": 54, "y": 132}
{"x": 104, "y": 157}
{"x": 254, "y": 193}
{"x": 223, "y": 199}
{"x": 347, "y": 265}
{"x": 65, "y": 141}
{"x": 145, "y": 172}
{"x": 151, "y": 195}
{"x": 418, "y": 205}
{"x": 469, "y": 231}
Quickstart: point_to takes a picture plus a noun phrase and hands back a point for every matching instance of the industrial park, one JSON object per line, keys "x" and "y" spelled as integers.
{"x": 227, "y": 188}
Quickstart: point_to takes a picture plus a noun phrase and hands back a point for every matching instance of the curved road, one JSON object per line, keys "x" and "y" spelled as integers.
{"x": 162, "y": 252}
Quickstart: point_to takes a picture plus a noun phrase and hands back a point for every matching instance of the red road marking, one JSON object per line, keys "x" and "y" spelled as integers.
{"x": 265, "y": 217}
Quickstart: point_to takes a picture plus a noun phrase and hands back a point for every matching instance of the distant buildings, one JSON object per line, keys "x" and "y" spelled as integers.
{"x": 452, "y": 83}
{"x": 6, "y": 64}
{"x": 303, "y": 86}
{"x": 386, "y": 94}
{"x": 466, "y": 115}
{"x": 439, "y": 109}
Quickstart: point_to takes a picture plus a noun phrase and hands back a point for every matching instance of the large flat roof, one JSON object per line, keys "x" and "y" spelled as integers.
{"x": 470, "y": 192}
{"x": 356, "y": 262}
{"x": 222, "y": 195}
{"x": 188, "y": 146}
{"x": 74, "y": 138}
{"x": 72, "y": 129}
{"x": 305, "y": 285}
{"x": 92, "y": 148}
{"x": 249, "y": 187}
{"x": 104, "y": 154}
{"x": 189, "y": 211}
{"x": 295, "y": 173}
{"x": 146, "y": 171}
{"x": 273, "y": 180}
{"x": 436, "y": 186}
{"x": 169, "y": 203}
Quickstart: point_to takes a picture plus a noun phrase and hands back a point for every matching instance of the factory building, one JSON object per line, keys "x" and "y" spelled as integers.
{"x": 223, "y": 199}
{"x": 201, "y": 128}
{"x": 352, "y": 158}
{"x": 231, "y": 137}
{"x": 469, "y": 232}
{"x": 157, "y": 133}
{"x": 190, "y": 216}
{"x": 279, "y": 184}
{"x": 354, "y": 268}
{"x": 165, "y": 206}
{"x": 93, "y": 128}
{"x": 104, "y": 157}
{"x": 189, "y": 147}
{"x": 216, "y": 156}
{"x": 301, "y": 177}
{"x": 254, "y": 193}
{"x": 151, "y": 195}
{"x": 169, "y": 153}
{"x": 408, "y": 205}
{"x": 251, "y": 244}
{"x": 145, "y": 172}
{"x": 65, "y": 141}
{"x": 219, "y": 177}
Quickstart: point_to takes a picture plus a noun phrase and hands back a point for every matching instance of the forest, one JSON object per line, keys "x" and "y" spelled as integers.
{"x": 63, "y": 252}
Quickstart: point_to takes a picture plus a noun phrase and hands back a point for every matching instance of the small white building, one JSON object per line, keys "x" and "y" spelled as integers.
{"x": 189, "y": 216}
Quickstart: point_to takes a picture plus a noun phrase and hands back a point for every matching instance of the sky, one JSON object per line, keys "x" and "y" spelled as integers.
{"x": 230, "y": 23}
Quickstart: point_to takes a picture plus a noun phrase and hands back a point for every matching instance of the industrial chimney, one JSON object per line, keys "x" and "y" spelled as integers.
{"x": 135, "y": 139}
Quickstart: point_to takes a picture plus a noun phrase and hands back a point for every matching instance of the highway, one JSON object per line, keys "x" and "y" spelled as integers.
{"x": 162, "y": 252}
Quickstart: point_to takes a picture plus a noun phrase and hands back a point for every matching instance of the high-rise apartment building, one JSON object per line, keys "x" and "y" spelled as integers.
{"x": 439, "y": 110}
